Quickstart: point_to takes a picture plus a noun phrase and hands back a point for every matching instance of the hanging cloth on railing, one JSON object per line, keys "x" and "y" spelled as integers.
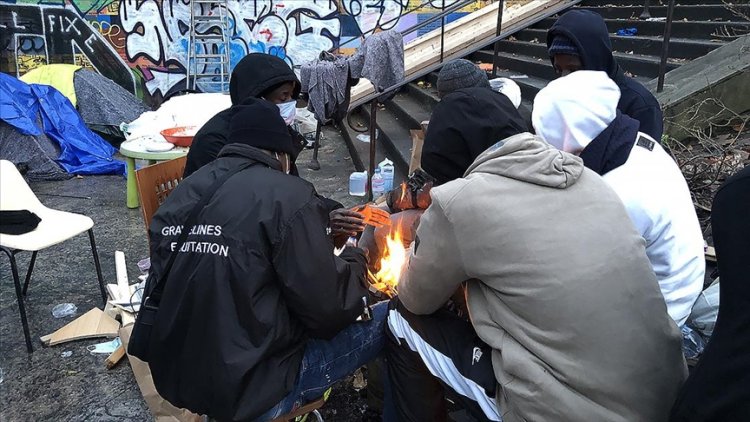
{"x": 328, "y": 80}
{"x": 380, "y": 60}
{"x": 328, "y": 85}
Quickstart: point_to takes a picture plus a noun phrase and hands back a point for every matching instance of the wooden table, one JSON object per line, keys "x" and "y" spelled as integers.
{"x": 136, "y": 149}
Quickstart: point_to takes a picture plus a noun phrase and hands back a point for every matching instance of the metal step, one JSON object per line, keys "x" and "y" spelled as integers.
{"x": 209, "y": 37}
{"x": 680, "y": 29}
{"x": 409, "y": 110}
{"x": 699, "y": 12}
{"x": 541, "y": 67}
{"x": 679, "y": 48}
{"x": 394, "y": 137}
{"x": 208, "y": 18}
{"x": 640, "y": 2}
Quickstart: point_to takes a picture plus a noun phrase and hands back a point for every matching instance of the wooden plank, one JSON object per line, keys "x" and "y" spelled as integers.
{"x": 123, "y": 286}
{"x": 459, "y": 35}
{"x": 417, "y": 141}
{"x": 113, "y": 292}
{"x": 115, "y": 357}
{"x": 94, "y": 323}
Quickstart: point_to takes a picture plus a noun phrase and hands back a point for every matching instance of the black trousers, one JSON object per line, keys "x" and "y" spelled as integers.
{"x": 431, "y": 356}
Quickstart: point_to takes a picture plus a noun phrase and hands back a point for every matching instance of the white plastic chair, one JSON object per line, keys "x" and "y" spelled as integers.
{"x": 55, "y": 227}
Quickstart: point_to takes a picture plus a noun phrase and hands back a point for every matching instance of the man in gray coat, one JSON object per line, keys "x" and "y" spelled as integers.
{"x": 565, "y": 310}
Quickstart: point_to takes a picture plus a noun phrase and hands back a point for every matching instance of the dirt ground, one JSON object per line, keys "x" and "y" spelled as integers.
{"x": 67, "y": 383}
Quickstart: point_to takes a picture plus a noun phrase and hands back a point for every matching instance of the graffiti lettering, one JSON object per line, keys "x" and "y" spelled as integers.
{"x": 147, "y": 40}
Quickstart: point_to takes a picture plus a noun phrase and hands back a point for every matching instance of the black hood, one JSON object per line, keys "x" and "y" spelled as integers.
{"x": 258, "y": 72}
{"x": 588, "y": 31}
{"x": 464, "y": 124}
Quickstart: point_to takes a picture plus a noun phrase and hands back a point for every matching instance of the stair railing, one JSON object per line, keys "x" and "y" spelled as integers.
{"x": 665, "y": 47}
{"x": 372, "y": 98}
{"x": 646, "y": 14}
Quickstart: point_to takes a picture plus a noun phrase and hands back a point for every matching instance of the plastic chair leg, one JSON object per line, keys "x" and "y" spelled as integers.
{"x": 28, "y": 272}
{"x": 98, "y": 266}
{"x": 19, "y": 297}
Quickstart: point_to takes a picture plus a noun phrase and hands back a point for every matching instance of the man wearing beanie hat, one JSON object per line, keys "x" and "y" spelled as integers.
{"x": 579, "y": 40}
{"x": 458, "y": 74}
{"x": 255, "y": 308}
{"x": 578, "y": 114}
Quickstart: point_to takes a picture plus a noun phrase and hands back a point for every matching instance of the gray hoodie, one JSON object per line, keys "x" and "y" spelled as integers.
{"x": 559, "y": 286}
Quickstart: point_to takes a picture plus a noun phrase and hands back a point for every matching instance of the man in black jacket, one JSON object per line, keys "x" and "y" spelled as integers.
{"x": 265, "y": 76}
{"x": 257, "y": 315}
{"x": 255, "y": 76}
{"x": 579, "y": 40}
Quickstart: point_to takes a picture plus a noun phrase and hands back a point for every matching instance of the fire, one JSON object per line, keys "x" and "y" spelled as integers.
{"x": 403, "y": 192}
{"x": 392, "y": 260}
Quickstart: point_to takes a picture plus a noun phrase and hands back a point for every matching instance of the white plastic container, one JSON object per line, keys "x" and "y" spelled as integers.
{"x": 387, "y": 170}
{"x": 378, "y": 184}
{"x": 358, "y": 183}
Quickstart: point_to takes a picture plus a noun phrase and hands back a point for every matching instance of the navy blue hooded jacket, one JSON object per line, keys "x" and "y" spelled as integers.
{"x": 588, "y": 31}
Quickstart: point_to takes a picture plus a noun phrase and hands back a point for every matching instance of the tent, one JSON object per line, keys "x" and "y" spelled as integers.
{"x": 102, "y": 103}
{"x": 41, "y": 128}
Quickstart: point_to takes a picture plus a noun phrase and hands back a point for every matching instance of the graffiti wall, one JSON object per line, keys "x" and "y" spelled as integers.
{"x": 143, "y": 44}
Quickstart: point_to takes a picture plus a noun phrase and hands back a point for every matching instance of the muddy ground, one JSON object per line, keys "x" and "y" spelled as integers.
{"x": 67, "y": 383}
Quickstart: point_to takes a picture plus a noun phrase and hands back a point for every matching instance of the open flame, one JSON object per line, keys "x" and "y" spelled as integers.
{"x": 392, "y": 261}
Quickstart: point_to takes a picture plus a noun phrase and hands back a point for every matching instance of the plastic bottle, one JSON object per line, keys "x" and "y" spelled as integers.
{"x": 358, "y": 183}
{"x": 387, "y": 170}
{"x": 378, "y": 184}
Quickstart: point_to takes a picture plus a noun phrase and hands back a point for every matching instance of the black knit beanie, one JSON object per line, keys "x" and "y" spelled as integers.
{"x": 563, "y": 45}
{"x": 258, "y": 123}
{"x": 459, "y": 74}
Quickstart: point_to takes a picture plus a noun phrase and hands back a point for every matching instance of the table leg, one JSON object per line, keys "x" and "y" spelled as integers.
{"x": 132, "y": 188}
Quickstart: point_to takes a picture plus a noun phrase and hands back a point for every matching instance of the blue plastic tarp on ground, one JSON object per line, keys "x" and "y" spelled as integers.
{"x": 81, "y": 150}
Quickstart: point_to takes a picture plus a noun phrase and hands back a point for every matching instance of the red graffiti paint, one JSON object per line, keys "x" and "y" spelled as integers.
{"x": 267, "y": 32}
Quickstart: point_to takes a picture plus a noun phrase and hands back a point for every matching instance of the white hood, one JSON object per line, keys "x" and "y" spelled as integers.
{"x": 573, "y": 110}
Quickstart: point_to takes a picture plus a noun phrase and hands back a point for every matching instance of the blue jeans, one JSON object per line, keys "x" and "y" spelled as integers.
{"x": 327, "y": 361}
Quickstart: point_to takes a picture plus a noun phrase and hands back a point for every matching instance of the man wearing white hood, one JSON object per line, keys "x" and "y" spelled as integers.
{"x": 578, "y": 114}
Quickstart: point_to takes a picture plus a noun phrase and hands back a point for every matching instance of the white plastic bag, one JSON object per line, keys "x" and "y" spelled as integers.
{"x": 706, "y": 310}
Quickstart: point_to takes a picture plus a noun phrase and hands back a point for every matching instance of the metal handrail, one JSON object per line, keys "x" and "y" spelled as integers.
{"x": 431, "y": 68}
{"x": 646, "y": 14}
{"x": 414, "y": 27}
{"x": 665, "y": 47}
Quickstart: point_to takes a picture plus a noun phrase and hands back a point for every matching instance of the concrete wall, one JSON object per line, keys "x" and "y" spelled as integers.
{"x": 690, "y": 91}
{"x": 142, "y": 44}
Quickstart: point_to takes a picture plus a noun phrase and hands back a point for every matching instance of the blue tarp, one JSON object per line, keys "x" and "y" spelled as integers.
{"x": 81, "y": 150}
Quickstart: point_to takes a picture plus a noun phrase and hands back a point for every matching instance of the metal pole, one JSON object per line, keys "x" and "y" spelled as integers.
{"x": 497, "y": 34}
{"x": 314, "y": 163}
{"x": 646, "y": 14}
{"x": 442, "y": 34}
{"x": 373, "y": 140}
{"x": 665, "y": 47}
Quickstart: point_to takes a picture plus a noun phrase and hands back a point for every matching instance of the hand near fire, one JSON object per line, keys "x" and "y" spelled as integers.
{"x": 406, "y": 197}
{"x": 345, "y": 224}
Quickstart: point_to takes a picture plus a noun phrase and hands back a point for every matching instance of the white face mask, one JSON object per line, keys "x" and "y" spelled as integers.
{"x": 288, "y": 111}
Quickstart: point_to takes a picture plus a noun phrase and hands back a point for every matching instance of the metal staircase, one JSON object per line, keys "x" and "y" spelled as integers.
{"x": 208, "y": 46}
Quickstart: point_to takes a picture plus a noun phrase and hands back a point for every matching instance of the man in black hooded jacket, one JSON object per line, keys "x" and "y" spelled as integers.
{"x": 718, "y": 389}
{"x": 255, "y": 76}
{"x": 269, "y": 77}
{"x": 579, "y": 40}
{"x": 257, "y": 315}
